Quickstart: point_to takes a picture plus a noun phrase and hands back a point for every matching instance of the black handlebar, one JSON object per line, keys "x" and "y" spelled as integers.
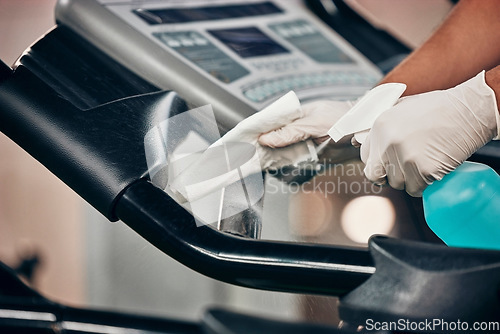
{"x": 252, "y": 263}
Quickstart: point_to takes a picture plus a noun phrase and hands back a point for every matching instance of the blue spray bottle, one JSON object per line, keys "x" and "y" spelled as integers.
{"x": 463, "y": 209}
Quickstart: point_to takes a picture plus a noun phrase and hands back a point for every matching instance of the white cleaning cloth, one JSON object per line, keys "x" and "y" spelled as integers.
{"x": 282, "y": 112}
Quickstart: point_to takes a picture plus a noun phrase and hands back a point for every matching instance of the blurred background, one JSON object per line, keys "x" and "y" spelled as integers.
{"x": 71, "y": 254}
{"x": 39, "y": 215}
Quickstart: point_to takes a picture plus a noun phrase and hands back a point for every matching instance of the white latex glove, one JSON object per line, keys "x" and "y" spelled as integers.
{"x": 317, "y": 118}
{"x": 425, "y": 136}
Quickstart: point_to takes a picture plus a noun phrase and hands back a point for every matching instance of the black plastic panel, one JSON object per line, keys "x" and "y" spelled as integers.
{"x": 79, "y": 72}
{"x": 421, "y": 282}
{"x": 375, "y": 44}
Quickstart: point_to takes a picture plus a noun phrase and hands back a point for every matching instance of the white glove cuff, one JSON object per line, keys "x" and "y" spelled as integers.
{"x": 489, "y": 94}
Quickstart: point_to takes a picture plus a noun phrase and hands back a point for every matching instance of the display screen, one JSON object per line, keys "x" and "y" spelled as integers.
{"x": 248, "y": 42}
{"x": 199, "y": 50}
{"x": 304, "y": 35}
{"x": 207, "y": 13}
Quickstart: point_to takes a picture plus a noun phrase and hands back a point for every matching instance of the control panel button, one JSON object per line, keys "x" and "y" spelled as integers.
{"x": 264, "y": 90}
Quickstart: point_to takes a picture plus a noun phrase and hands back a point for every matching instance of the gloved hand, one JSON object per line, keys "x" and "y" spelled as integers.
{"x": 317, "y": 118}
{"x": 425, "y": 136}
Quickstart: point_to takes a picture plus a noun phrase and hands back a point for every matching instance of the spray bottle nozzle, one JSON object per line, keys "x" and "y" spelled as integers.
{"x": 363, "y": 114}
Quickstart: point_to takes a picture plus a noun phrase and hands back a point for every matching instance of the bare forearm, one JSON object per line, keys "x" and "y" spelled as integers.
{"x": 466, "y": 43}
